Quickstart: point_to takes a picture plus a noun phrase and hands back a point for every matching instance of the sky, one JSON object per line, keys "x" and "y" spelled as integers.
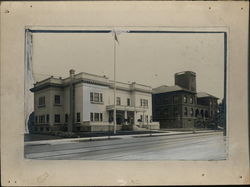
{"x": 150, "y": 59}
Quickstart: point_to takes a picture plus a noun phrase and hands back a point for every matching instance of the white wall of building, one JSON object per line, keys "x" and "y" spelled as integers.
{"x": 89, "y": 107}
{"x": 79, "y": 101}
{"x": 84, "y": 106}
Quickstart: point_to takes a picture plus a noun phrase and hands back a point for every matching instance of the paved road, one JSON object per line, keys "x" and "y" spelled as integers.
{"x": 205, "y": 146}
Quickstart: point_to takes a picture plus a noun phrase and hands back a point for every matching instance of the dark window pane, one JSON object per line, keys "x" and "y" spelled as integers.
{"x": 91, "y": 117}
{"x": 91, "y": 96}
{"x": 57, "y": 118}
{"x": 66, "y": 118}
{"x": 78, "y": 118}
{"x": 47, "y": 118}
{"x": 96, "y": 116}
{"x": 57, "y": 99}
{"x": 101, "y": 117}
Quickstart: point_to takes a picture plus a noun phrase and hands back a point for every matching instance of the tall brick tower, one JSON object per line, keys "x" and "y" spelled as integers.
{"x": 186, "y": 79}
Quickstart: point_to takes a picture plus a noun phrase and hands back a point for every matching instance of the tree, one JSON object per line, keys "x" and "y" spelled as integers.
{"x": 222, "y": 115}
{"x": 31, "y": 122}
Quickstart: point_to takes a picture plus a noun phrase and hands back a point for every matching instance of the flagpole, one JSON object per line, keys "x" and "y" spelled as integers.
{"x": 114, "y": 117}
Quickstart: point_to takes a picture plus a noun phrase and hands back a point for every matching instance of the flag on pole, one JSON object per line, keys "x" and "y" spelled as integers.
{"x": 116, "y": 39}
{"x": 116, "y": 32}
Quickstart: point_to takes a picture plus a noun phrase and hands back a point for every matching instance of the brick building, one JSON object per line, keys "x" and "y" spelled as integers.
{"x": 181, "y": 106}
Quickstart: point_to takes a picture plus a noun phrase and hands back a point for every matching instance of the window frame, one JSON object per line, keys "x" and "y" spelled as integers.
{"x": 96, "y": 97}
{"x": 47, "y": 118}
{"x": 191, "y": 100}
{"x": 185, "y": 111}
{"x": 66, "y": 118}
{"x": 55, "y": 118}
{"x": 128, "y": 102}
{"x": 91, "y": 116}
{"x": 78, "y": 117}
{"x": 96, "y": 116}
{"x": 185, "y": 99}
{"x": 56, "y": 100}
{"x": 118, "y": 101}
{"x": 41, "y": 101}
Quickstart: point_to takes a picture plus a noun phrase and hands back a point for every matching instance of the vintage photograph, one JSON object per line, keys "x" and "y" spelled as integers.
{"x": 125, "y": 94}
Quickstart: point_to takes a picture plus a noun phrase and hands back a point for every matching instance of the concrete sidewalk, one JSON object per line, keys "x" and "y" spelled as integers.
{"x": 72, "y": 140}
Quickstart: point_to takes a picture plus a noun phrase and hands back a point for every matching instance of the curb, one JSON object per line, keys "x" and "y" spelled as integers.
{"x": 71, "y": 140}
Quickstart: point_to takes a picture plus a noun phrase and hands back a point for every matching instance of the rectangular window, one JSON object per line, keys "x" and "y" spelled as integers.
{"x": 166, "y": 101}
{"x": 57, "y": 118}
{"x": 96, "y": 116}
{"x": 78, "y": 117}
{"x": 41, "y": 101}
{"x": 146, "y": 118}
{"x": 36, "y": 120}
{"x": 128, "y": 102}
{"x": 96, "y": 97}
{"x": 176, "y": 99}
{"x": 118, "y": 101}
{"x": 144, "y": 102}
{"x": 42, "y": 119}
{"x": 101, "y": 99}
{"x": 66, "y": 118}
{"x": 101, "y": 119}
{"x": 91, "y": 96}
{"x": 47, "y": 118}
{"x": 175, "y": 111}
{"x": 166, "y": 112}
{"x": 91, "y": 116}
{"x": 57, "y": 99}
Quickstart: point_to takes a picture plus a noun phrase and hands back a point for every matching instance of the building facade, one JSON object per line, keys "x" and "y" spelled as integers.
{"x": 180, "y": 106}
{"x": 85, "y": 102}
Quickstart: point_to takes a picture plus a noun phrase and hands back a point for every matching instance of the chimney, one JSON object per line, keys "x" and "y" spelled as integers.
{"x": 71, "y": 72}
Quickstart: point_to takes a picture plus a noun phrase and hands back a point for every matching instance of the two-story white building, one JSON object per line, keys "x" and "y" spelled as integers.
{"x": 85, "y": 102}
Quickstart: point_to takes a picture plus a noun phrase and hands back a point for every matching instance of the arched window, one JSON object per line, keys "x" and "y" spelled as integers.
{"x": 185, "y": 111}
{"x": 197, "y": 113}
{"x": 191, "y": 100}
{"x": 191, "y": 112}
{"x": 202, "y": 113}
{"x": 206, "y": 114}
{"x": 185, "y": 99}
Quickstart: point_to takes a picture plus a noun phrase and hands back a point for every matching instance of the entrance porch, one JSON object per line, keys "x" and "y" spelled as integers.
{"x": 125, "y": 115}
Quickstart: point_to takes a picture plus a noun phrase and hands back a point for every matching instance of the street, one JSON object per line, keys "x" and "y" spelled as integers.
{"x": 199, "y": 146}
